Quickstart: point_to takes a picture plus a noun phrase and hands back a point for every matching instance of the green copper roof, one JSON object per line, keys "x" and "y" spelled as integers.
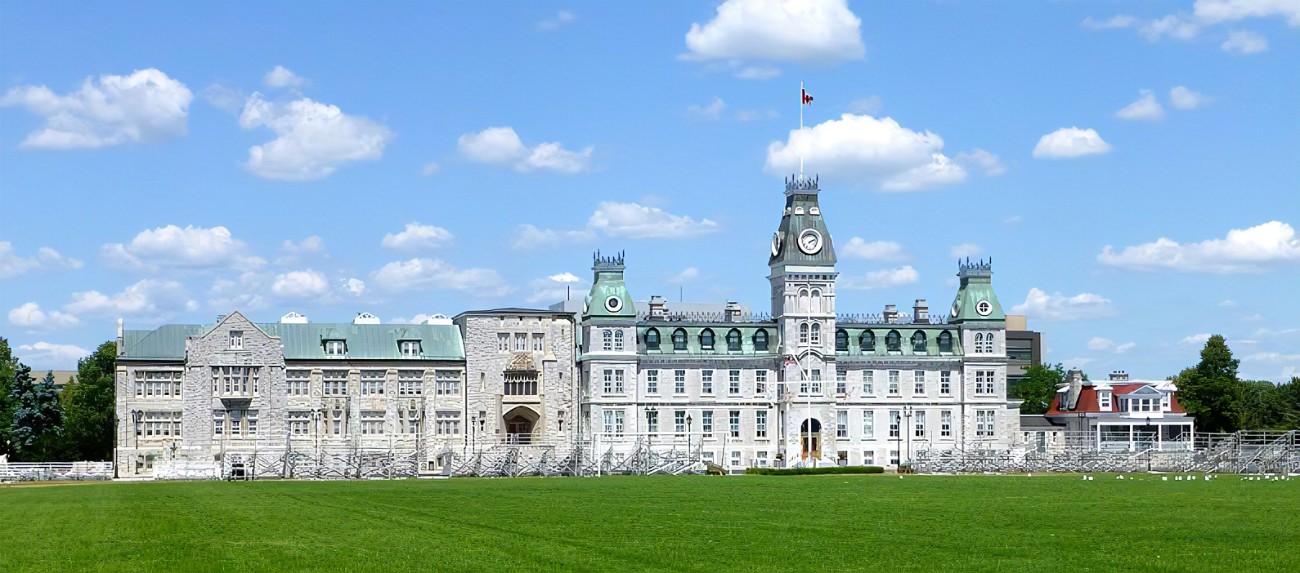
{"x": 303, "y": 341}
{"x": 976, "y": 287}
{"x": 801, "y": 213}
{"x": 608, "y": 299}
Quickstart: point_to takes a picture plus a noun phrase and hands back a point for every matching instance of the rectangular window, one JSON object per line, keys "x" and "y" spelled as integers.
{"x": 447, "y": 383}
{"x": 372, "y": 382}
{"x": 868, "y": 424}
{"x": 334, "y": 383}
{"x": 706, "y": 423}
{"x": 918, "y": 382}
{"x": 760, "y": 424}
{"x": 218, "y": 422}
{"x": 841, "y": 424}
{"x": 706, "y": 381}
{"x": 652, "y": 421}
{"x": 298, "y": 382}
{"x": 410, "y": 382}
{"x": 614, "y": 382}
{"x": 503, "y": 342}
{"x": 735, "y": 457}
{"x": 299, "y": 422}
{"x": 893, "y": 423}
{"x": 984, "y": 423}
{"x": 816, "y": 375}
{"x": 679, "y": 381}
{"x": 236, "y": 340}
{"x": 539, "y": 342}
{"x": 893, "y": 383}
{"x": 446, "y": 423}
{"x": 335, "y": 348}
{"x": 160, "y": 425}
{"x": 651, "y": 381}
{"x": 372, "y": 422}
{"x": 521, "y": 384}
{"x": 411, "y": 421}
{"x": 841, "y": 381}
{"x": 1103, "y": 400}
{"x": 945, "y": 383}
{"x": 235, "y": 380}
{"x": 679, "y": 422}
{"x": 410, "y": 348}
{"x": 337, "y": 423}
{"x": 868, "y": 382}
{"x": 760, "y": 382}
{"x": 521, "y": 342}
{"x": 733, "y": 382}
{"x": 945, "y": 424}
{"x": 157, "y": 384}
{"x": 918, "y": 423}
{"x": 983, "y": 382}
{"x": 734, "y": 419}
{"x": 250, "y": 421}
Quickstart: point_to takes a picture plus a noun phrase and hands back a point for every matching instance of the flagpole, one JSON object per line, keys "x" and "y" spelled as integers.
{"x": 801, "y": 128}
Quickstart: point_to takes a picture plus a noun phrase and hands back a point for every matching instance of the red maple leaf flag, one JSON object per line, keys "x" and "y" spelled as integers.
{"x": 807, "y": 99}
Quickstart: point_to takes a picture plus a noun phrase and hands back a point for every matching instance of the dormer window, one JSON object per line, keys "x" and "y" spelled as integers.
{"x": 409, "y": 348}
{"x": 893, "y": 341}
{"x": 841, "y": 340}
{"x": 652, "y": 339}
{"x": 760, "y": 340}
{"x": 918, "y": 342}
{"x": 236, "y": 340}
{"x": 945, "y": 341}
{"x": 733, "y": 341}
{"x": 679, "y": 339}
{"x": 867, "y": 342}
{"x": 706, "y": 339}
{"x": 1103, "y": 400}
{"x": 336, "y": 347}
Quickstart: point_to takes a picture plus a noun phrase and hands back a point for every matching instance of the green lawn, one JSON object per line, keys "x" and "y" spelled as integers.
{"x": 745, "y": 523}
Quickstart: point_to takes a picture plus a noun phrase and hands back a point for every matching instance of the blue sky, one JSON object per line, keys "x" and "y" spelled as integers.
{"x": 1131, "y": 167}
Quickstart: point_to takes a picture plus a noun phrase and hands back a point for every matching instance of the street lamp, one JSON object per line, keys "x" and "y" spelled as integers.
{"x": 650, "y": 414}
{"x": 688, "y": 436}
{"x": 907, "y": 428}
{"x": 136, "y": 415}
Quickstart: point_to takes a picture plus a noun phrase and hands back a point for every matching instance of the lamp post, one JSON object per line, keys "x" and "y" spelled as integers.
{"x": 907, "y": 427}
{"x": 650, "y": 414}
{"x": 688, "y": 437}
{"x": 136, "y": 416}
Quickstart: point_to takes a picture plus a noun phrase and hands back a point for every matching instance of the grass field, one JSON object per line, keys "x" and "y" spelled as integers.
{"x": 750, "y": 523}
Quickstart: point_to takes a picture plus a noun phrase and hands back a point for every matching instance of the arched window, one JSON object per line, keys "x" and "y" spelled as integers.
{"x": 733, "y": 341}
{"x": 893, "y": 341}
{"x": 816, "y": 338}
{"x": 652, "y": 339}
{"x": 706, "y": 339}
{"x": 803, "y": 333}
{"x": 679, "y": 339}
{"x": 988, "y": 343}
{"x": 816, "y": 300}
{"x": 841, "y": 340}
{"x": 867, "y": 341}
{"x": 618, "y": 340}
{"x": 803, "y": 300}
{"x": 945, "y": 341}
{"x": 760, "y": 340}
{"x": 607, "y": 338}
{"x": 918, "y": 342}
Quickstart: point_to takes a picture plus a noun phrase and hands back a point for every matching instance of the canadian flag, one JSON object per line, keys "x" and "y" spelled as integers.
{"x": 807, "y": 99}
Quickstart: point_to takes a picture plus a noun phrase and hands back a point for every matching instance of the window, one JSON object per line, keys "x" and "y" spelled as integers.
{"x": 409, "y": 348}
{"x": 918, "y": 382}
{"x": 236, "y": 340}
{"x": 652, "y": 421}
{"x": 868, "y": 424}
{"x": 334, "y": 382}
{"x": 945, "y": 383}
{"x": 679, "y": 422}
{"x": 235, "y": 380}
{"x": 521, "y": 342}
{"x": 706, "y": 423}
{"x": 679, "y": 339}
{"x": 237, "y": 423}
{"x": 841, "y": 340}
{"x": 706, "y": 339}
{"x": 760, "y": 424}
{"x": 618, "y": 340}
{"x": 411, "y": 422}
{"x": 988, "y": 343}
{"x": 945, "y": 341}
{"x": 733, "y": 382}
{"x": 984, "y": 423}
{"x": 816, "y": 375}
{"x": 336, "y": 347}
{"x": 337, "y": 424}
{"x": 803, "y": 300}
{"x": 735, "y": 458}
{"x": 1103, "y": 400}
{"x": 539, "y": 342}
{"x": 652, "y": 339}
{"x": 160, "y": 425}
{"x": 760, "y": 340}
{"x": 410, "y": 382}
{"x": 520, "y": 384}
{"x": 841, "y": 381}
{"x": 983, "y": 382}
{"x": 706, "y": 381}
{"x": 867, "y": 341}
{"x": 614, "y": 383}
{"x": 893, "y": 341}
{"x": 733, "y": 341}
{"x": 298, "y": 382}
{"x": 607, "y": 340}
{"x": 157, "y": 384}
{"x": 868, "y": 382}
{"x": 815, "y": 338}
{"x": 679, "y": 381}
{"x": 299, "y": 422}
{"x": 918, "y": 342}
{"x": 446, "y": 423}
{"x": 841, "y": 424}
{"x": 893, "y": 423}
{"x": 372, "y": 382}
{"x": 734, "y": 422}
{"x": 945, "y": 424}
{"x": 760, "y": 382}
{"x": 446, "y": 383}
{"x": 372, "y": 422}
{"x": 918, "y": 425}
{"x": 218, "y": 422}
{"x": 503, "y": 342}
{"x": 803, "y": 333}
{"x": 893, "y": 383}
{"x": 651, "y": 381}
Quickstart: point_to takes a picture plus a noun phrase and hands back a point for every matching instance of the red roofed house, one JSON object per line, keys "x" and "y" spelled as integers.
{"x": 1121, "y": 414}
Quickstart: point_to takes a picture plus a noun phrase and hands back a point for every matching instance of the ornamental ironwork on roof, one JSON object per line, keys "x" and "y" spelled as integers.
{"x": 880, "y": 318}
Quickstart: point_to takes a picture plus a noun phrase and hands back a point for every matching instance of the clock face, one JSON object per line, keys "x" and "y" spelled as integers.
{"x": 776, "y": 244}
{"x": 984, "y": 307}
{"x": 810, "y": 241}
{"x": 613, "y": 304}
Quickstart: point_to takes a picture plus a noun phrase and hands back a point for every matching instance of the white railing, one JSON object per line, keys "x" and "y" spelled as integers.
{"x": 56, "y": 471}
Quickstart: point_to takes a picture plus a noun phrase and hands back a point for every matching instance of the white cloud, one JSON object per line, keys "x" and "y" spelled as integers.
{"x": 965, "y": 250}
{"x": 1121, "y": 21}
{"x": 862, "y": 147}
{"x": 146, "y": 106}
{"x": 174, "y": 247}
{"x": 812, "y": 31}
{"x": 1076, "y": 363}
{"x": 688, "y": 274}
{"x": 989, "y": 162}
{"x": 281, "y": 77}
{"x": 1127, "y": 346}
{"x": 713, "y": 110}
{"x": 1243, "y": 250}
{"x": 148, "y": 298}
{"x": 1107, "y": 345}
{"x": 243, "y": 294}
{"x": 561, "y": 18}
{"x": 637, "y": 221}
{"x": 1146, "y": 108}
{"x": 355, "y": 286}
{"x": 1215, "y": 11}
{"x": 564, "y": 278}
{"x": 226, "y": 99}
{"x": 1057, "y": 306}
{"x": 312, "y": 246}
{"x": 1183, "y": 98}
{"x": 1177, "y": 26}
{"x": 12, "y": 265}
{"x": 300, "y": 285}
{"x": 884, "y": 278}
{"x": 1070, "y": 142}
{"x": 1196, "y": 338}
{"x": 430, "y": 168}
{"x": 312, "y": 139}
{"x": 870, "y": 105}
{"x": 528, "y": 237}
{"x": 30, "y": 315}
{"x": 758, "y": 73}
{"x": 502, "y": 146}
{"x": 434, "y": 274}
{"x": 417, "y": 237}
{"x": 873, "y": 251}
{"x": 1228, "y": 302}
{"x": 1012, "y": 220}
{"x": 753, "y": 114}
{"x": 1244, "y": 42}
{"x": 1272, "y": 357}
{"x": 51, "y": 354}
{"x": 554, "y": 288}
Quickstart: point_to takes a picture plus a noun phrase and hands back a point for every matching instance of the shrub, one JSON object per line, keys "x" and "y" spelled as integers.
{"x": 815, "y": 471}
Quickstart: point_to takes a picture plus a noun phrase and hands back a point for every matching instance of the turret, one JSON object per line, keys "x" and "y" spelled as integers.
{"x": 976, "y": 301}
{"x": 608, "y": 299}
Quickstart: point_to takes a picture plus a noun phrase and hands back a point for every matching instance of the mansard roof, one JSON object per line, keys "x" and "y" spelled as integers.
{"x": 303, "y": 341}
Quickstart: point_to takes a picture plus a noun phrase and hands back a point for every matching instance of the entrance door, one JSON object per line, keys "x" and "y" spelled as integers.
{"x": 519, "y": 430}
{"x": 810, "y": 441}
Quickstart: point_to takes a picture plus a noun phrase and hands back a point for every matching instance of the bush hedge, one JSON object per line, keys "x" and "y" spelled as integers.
{"x": 816, "y": 471}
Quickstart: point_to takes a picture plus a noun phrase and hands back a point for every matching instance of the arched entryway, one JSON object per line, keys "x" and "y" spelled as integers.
{"x": 520, "y": 423}
{"x": 810, "y": 441}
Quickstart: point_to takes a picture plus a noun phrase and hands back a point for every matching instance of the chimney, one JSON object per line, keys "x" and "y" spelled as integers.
{"x": 733, "y": 311}
{"x": 119, "y": 336}
{"x": 920, "y": 312}
{"x": 1119, "y": 376}
{"x": 890, "y": 314}
{"x": 1075, "y": 379}
{"x": 658, "y": 307}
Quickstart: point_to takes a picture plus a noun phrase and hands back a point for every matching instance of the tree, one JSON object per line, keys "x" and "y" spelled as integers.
{"x": 1039, "y": 387}
{"x": 88, "y": 405}
{"x": 1211, "y": 391}
{"x": 7, "y": 365}
{"x": 37, "y": 426}
{"x": 1266, "y": 406}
